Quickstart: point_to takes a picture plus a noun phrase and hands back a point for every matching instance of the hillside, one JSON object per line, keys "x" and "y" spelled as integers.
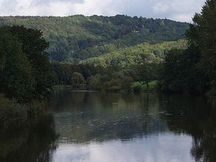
{"x": 76, "y": 38}
{"x": 150, "y": 53}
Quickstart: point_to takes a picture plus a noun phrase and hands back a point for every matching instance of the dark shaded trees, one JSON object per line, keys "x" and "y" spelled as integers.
{"x": 194, "y": 70}
{"x": 181, "y": 74}
{"x": 202, "y": 36}
{"x": 16, "y": 75}
{"x": 25, "y": 70}
{"x": 34, "y": 46}
{"x": 147, "y": 72}
{"x": 77, "y": 80}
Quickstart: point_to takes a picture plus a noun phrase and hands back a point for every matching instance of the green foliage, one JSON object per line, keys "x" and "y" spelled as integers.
{"x": 78, "y": 37}
{"x": 202, "y": 36}
{"x": 112, "y": 78}
{"x": 194, "y": 70}
{"x": 146, "y": 71}
{"x": 34, "y": 46}
{"x": 77, "y": 80}
{"x": 25, "y": 70}
{"x": 94, "y": 82}
{"x": 63, "y": 72}
{"x": 16, "y": 76}
{"x": 137, "y": 86}
{"x": 113, "y": 85}
{"x": 143, "y": 86}
{"x": 181, "y": 73}
{"x": 136, "y": 55}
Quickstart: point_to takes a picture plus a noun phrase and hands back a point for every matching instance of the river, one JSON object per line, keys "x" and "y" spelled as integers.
{"x": 111, "y": 127}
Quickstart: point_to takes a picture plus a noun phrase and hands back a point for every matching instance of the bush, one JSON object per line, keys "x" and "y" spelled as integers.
{"x": 143, "y": 86}
{"x": 94, "y": 83}
{"x": 78, "y": 81}
{"x": 113, "y": 85}
{"x": 137, "y": 86}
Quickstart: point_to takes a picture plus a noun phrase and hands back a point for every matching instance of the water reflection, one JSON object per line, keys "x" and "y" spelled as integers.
{"x": 34, "y": 144}
{"x": 99, "y": 117}
{"x": 95, "y": 127}
{"x": 196, "y": 118}
{"x": 134, "y": 128}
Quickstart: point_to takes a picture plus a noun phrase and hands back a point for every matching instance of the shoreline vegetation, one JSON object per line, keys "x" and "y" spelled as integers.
{"x": 112, "y": 54}
{"x": 26, "y": 79}
{"x": 135, "y": 87}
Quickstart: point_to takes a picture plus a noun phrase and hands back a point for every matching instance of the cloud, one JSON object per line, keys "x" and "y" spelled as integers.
{"x": 173, "y": 9}
{"x": 160, "y": 8}
{"x": 163, "y": 148}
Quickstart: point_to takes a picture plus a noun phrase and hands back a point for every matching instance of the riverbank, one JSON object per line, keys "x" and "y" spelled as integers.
{"x": 136, "y": 87}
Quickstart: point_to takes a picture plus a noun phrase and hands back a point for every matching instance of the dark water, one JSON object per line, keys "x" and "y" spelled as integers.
{"x": 94, "y": 127}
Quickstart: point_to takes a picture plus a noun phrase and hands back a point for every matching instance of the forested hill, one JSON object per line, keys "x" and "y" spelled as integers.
{"x": 79, "y": 37}
{"x": 136, "y": 55}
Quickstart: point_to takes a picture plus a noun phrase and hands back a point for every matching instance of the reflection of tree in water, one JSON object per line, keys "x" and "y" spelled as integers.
{"x": 101, "y": 117}
{"x": 82, "y": 117}
{"x": 196, "y": 118}
{"x": 31, "y": 145}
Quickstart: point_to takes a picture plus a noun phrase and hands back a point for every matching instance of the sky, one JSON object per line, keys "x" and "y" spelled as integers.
{"x": 180, "y": 10}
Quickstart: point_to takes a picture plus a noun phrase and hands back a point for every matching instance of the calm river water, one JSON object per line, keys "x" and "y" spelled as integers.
{"x": 95, "y": 127}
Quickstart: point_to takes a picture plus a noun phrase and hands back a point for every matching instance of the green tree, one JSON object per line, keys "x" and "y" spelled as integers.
{"x": 145, "y": 72}
{"x": 94, "y": 82}
{"x": 181, "y": 74}
{"x": 16, "y": 77}
{"x": 34, "y": 46}
{"x": 25, "y": 71}
{"x": 77, "y": 80}
{"x": 202, "y": 38}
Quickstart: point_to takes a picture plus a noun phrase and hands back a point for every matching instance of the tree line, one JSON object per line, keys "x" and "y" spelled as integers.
{"x": 112, "y": 78}
{"x": 78, "y": 37}
{"x": 129, "y": 69}
{"x": 194, "y": 70}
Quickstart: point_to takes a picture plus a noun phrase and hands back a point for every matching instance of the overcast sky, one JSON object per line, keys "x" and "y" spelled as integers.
{"x": 180, "y": 10}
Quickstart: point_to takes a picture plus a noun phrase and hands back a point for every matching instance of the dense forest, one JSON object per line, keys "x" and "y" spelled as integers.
{"x": 194, "y": 70}
{"x": 136, "y": 55}
{"x": 173, "y": 67}
{"x": 76, "y": 38}
{"x": 135, "y": 68}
